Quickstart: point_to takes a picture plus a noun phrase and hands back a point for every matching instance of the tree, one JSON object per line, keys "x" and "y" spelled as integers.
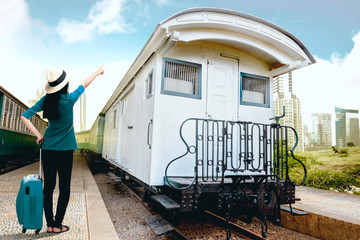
{"x": 334, "y": 149}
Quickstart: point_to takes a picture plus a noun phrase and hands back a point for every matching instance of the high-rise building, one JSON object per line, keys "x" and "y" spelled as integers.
{"x": 39, "y": 94}
{"x": 347, "y": 127}
{"x": 83, "y": 112}
{"x": 306, "y": 137}
{"x": 320, "y": 132}
{"x": 284, "y": 96}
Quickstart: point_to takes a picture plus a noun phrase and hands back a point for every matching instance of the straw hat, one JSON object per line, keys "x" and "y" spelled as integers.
{"x": 56, "y": 80}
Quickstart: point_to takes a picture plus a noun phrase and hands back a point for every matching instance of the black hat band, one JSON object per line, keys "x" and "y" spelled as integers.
{"x": 59, "y": 80}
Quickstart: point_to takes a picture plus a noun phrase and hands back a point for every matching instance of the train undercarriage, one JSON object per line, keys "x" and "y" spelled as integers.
{"x": 240, "y": 167}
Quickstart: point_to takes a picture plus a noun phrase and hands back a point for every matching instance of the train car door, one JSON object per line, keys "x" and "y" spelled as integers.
{"x": 114, "y": 132}
{"x": 222, "y": 101}
{"x": 127, "y": 145}
{"x": 222, "y": 91}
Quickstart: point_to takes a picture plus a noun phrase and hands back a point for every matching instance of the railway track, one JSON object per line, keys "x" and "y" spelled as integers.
{"x": 206, "y": 225}
{"x": 9, "y": 168}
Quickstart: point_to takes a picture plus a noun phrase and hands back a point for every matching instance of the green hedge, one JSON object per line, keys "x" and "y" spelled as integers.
{"x": 327, "y": 179}
{"x": 322, "y": 179}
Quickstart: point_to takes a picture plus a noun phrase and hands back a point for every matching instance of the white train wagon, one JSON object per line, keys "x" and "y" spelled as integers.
{"x": 199, "y": 63}
{"x": 194, "y": 95}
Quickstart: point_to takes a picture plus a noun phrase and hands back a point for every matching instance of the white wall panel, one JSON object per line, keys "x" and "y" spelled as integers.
{"x": 171, "y": 111}
{"x": 134, "y": 115}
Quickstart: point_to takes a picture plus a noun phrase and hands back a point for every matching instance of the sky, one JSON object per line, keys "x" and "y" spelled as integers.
{"x": 79, "y": 36}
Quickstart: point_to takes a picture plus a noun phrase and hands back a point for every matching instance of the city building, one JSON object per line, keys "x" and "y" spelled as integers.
{"x": 320, "y": 132}
{"x": 284, "y": 96}
{"x": 306, "y": 137}
{"x": 83, "y": 112}
{"x": 347, "y": 127}
{"x": 39, "y": 94}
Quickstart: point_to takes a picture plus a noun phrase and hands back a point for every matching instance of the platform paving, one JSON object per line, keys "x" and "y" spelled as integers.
{"x": 86, "y": 213}
{"x": 332, "y": 215}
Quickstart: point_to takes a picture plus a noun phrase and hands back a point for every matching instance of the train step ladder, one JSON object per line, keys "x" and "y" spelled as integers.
{"x": 168, "y": 204}
{"x": 158, "y": 225}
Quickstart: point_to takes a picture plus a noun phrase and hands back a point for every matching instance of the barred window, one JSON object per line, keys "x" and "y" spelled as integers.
{"x": 149, "y": 85}
{"x": 10, "y": 114}
{"x": 181, "y": 78}
{"x": 22, "y": 126}
{"x": 6, "y": 111}
{"x": 16, "y": 117}
{"x": 114, "y": 119}
{"x": 254, "y": 90}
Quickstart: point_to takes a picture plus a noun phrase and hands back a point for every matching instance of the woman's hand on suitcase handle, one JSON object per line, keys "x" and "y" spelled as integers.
{"x": 40, "y": 139}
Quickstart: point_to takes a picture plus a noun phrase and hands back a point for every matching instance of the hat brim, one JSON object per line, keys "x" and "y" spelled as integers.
{"x": 49, "y": 89}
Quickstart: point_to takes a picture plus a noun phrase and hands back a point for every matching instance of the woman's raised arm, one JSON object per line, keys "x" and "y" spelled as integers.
{"x": 87, "y": 81}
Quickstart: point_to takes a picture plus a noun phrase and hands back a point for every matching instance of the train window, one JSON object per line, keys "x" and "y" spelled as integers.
{"x": 114, "y": 119}
{"x": 123, "y": 106}
{"x": 10, "y": 114}
{"x": 149, "y": 85}
{"x": 16, "y": 117}
{"x": 1, "y": 106}
{"x": 19, "y": 119}
{"x": 21, "y": 125}
{"x": 6, "y": 110}
{"x": 181, "y": 78}
{"x": 254, "y": 90}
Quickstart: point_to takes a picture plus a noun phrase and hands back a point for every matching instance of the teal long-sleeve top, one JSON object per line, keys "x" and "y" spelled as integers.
{"x": 60, "y": 134}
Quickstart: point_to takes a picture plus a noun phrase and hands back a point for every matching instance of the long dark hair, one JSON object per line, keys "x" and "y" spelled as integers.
{"x": 51, "y": 103}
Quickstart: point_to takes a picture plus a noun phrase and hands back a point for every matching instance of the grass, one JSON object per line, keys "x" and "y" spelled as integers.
{"x": 329, "y": 170}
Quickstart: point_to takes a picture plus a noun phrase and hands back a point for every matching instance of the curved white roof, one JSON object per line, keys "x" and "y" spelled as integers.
{"x": 258, "y": 37}
{"x": 275, "y": 46}
{"x": 237, "y": 22}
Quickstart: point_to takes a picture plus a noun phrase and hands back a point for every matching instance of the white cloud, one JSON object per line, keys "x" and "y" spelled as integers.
{"x": 328, "y": 84}
{"x": 16, "y": 30}
{"x": 73, "y": 31}
{"x": 14, "y": 18}
{"x": 104, "y": 18}
{"x": 23, "y": 73}
{"x": 17, "y": 27}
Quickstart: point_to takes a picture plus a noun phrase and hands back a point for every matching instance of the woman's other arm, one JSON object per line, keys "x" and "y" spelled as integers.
{"x": 32, "y": 129}
{"x": 87, "y": 81}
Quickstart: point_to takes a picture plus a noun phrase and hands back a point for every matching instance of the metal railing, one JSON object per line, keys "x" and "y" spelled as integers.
{"x": 221, "y": 148}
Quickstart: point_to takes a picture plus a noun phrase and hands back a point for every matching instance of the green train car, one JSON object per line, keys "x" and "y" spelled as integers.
{"x": 82, "y": 139}
{"x": 92, "y": 139}
{"x": 17, "y": 143}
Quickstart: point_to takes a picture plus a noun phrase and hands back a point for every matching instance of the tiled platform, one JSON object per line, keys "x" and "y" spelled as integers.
{"x": 86, "y": 213}
{"x": 332, "y": 215}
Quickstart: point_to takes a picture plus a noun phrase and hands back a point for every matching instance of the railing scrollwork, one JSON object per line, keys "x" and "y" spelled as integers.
{"x": 222, "y": 148}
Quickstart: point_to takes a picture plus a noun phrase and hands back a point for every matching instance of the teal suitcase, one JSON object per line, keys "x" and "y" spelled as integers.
{"x": 30, "y": 202}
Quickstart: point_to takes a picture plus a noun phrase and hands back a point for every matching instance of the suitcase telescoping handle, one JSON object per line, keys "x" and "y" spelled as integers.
{"x": 41, "y": 143}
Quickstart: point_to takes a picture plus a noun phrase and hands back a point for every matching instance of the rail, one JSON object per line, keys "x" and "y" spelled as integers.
{"x": 178, "y": 232}
{"x": 221, "y": 148}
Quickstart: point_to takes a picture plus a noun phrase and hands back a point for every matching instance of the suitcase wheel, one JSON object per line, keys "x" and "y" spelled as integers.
{"x": 37, "y": 231}
{"x": 23, "y": 230}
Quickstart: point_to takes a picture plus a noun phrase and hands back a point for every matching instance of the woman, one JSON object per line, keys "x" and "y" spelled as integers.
{"x": 58, "y": 142}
